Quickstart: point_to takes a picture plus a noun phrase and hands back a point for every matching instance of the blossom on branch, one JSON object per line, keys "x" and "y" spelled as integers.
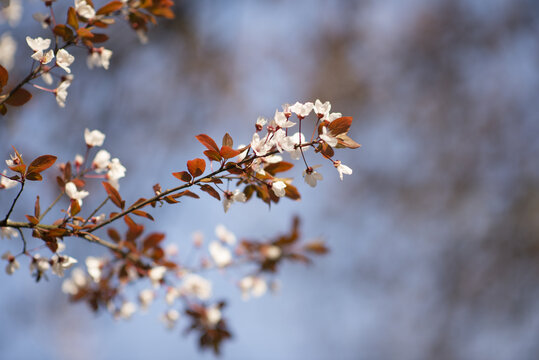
{"x": 94, "y": 138}
{"x": 64, "y": 60}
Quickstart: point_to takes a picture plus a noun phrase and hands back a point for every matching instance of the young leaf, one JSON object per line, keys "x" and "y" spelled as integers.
{"x": 33, "y": 176}
{"x": 110, "y": 8}
{"x": 63, "y": 31}
{"x": 75, "y": 207}
{"x": 281, "y": 166}
{"x": 142, "y": 214}
{"x": 19, "y": 97}
{"x": 207, "y": 142}
{"x": 41, "y": 163}
{"x": 32, "y": 219}
{"x": 4, "y": 76}
{"x": 227, "y": 152}
{"x": 182, "y": 175}
{"x": 114, "y": 195}
{"x": 212, "y": 155}
{"x": 72, "y": 18}
{"x": 210, "y": 190}
{"x": 227, "y": 140}
{"x": 340, "y": 125}
{"x": 152, "y": 240}
{"x": 114, "y": 235}
{"x": 345, "y": 141}
{"x": 196, "y": 166}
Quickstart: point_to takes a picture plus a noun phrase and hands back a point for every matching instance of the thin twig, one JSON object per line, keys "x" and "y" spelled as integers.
{"x": 14, "y": 201}
{"x": 23, "y": 241}
{"x": 52, "y": 205}
{"x": 96, "y": 210}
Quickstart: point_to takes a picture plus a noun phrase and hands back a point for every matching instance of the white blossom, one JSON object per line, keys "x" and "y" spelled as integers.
{"x": 170, "y": 318}
{"x": 145, "y": 298}
{"x": 342, "y": 169}
{"x": 213, "y": 315}
{"x": 64, "y": 60}
{"x": 38, "y": 44}
{"x": 93, "y": 266}
{"x": 156, "y": 274}
{"x": 61, "y": 93}
{"x": 333, "y": 116}
{"x": 12, "y": 265}
{"x": 43, "y": 58}
{"x": 12, "y": 13}
{"x": 220, "y": 254}
{"x": 311, "y": 176}
{"x": 8, "y": 233}
{"x": 230, "y": 197}
{"x": 84, "y": 9}
{"x": 94, "y": 137}
{"x": 171, "y": 295}
{"x": 40, "y": 264}
{"x": 71, "y": 191}
{"x": 225, "y": 235}
{"x": 42, "y": 19}
{"x": 127, "y": 309}
{"x": 8, "y": 48}
{"x": 261, "y": 146}
{"x": 116, "y": 170}
{"x": 99, "y": 58}
{"x": 101, "y": 161}
{"x": 252, "y": 286}
{"x": 197, "y": 286}
{"x": 321, "y": 109}
{"x": 47, "y": 78}
{"x": 73, "y": 284}
{"x": 302, "y": 110}
{"x": 61, "y": 263}
{"x": 278, "y": 188}
{"x": 272, "y": 252}
{"x": 6, "y": 183}
{"x": 328, "y": 138}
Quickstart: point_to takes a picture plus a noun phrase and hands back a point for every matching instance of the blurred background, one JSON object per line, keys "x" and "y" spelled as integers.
{"x": 434, "y": 238}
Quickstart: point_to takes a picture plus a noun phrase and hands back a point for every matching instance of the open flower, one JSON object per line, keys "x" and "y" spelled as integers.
{"x": 43, "y": 58}
{"x": 342, "y": 169}
{"x": 311, "y": 176}
{"x": 8, "y": 233}
{"x": 225, "y": 235}
{"x": 101, "y": 161}
{"x": 146, "y": 297}
{"x": 170, "y": 318}
{"x": 61, "y": 93}
{"x": 156, "y": 274}
{"x": 12, "y": 265}
{"x": 302, "y": 110}
{"x": 230, "y": 197}
{"x": 71, "y": 191}
{"x": 220, "y": 254}
{"x": 278, "y": 188}
{"x": 61, "y": 263}
{"x": 94, "y": 137}
{"x": 196, "y": 285}
{"x": 252, "y": 286}
{"x": 328, "y": 138}
{"x": 321, "y": 109}
{"x": 38, "y": 44}
{"x": 94, "y": 266}
{"x": 84, "y": 9}
{"x": 6, "y": 183}
{"x": 64, "y": 60}
{"x": 99, "y": 57}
